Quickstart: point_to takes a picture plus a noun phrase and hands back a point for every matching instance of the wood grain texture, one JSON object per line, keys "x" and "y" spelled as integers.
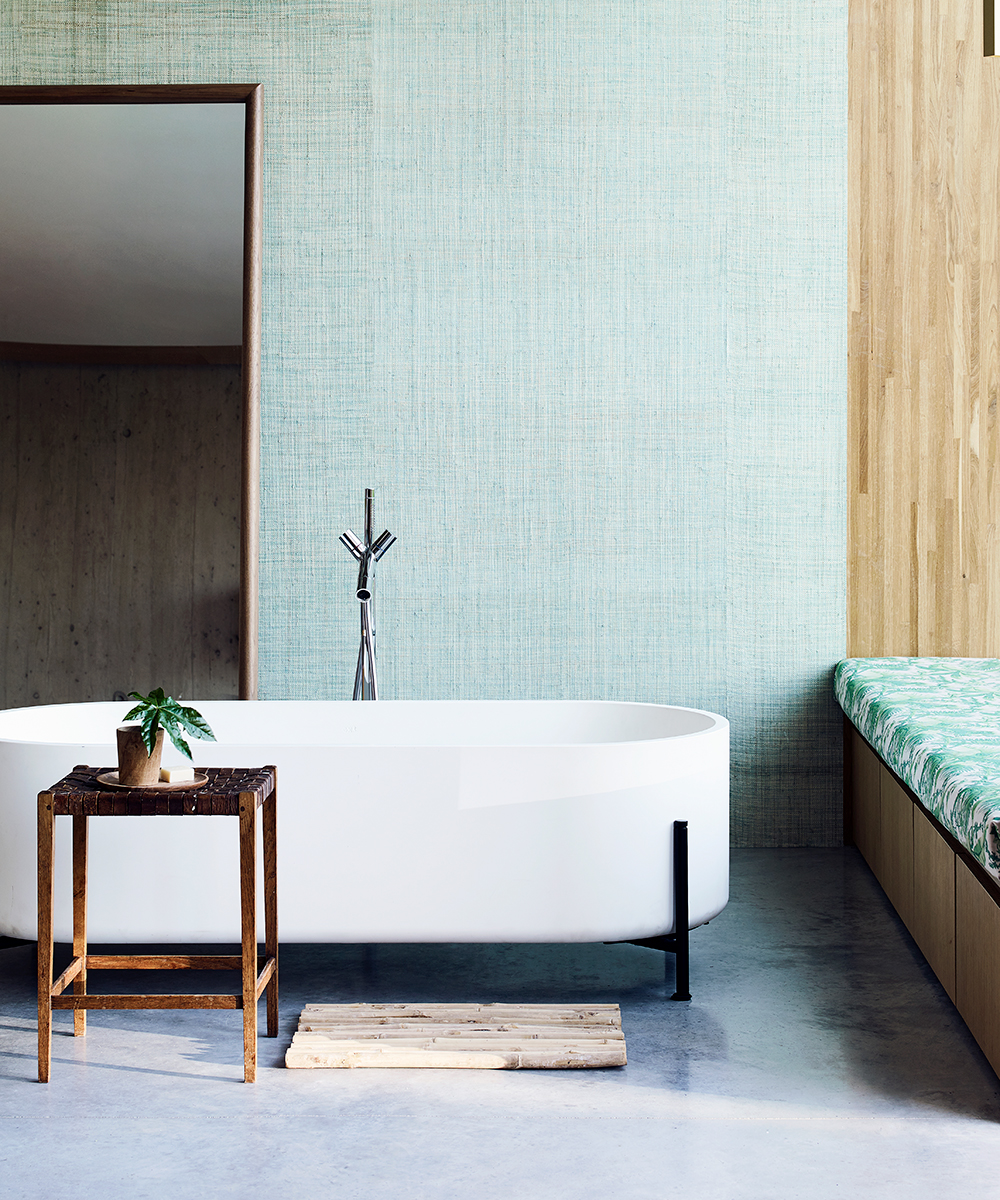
{"x": 46, "y": 854}
{"x": 977, "y": 961}
{"x": 896, "y": 852}
{"x": 933, "y": 913}
{"x": 484, "y": 1036}
{"x": 164, "y": 962}
{"x": 119, "y": 532}
{"x": 865, "y": 782}
{"x": 67, "y": 977}
{"x": 156, "y": 1000}
{"x": 316, "y": 1016}
{"x": 264, "y": 980}
{"x": 127, "y": 93}
{"x": 80, "y": 917}
{"x": 88, "y": 355}
{"x": 924, "y": 331}
{"x": 269, "y": 817}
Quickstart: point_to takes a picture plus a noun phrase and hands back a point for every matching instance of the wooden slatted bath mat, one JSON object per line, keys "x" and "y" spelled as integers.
{"x": 490, "y": 1036}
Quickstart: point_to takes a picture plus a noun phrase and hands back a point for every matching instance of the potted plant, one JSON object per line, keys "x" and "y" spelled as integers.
{"x": 141, "y": 745}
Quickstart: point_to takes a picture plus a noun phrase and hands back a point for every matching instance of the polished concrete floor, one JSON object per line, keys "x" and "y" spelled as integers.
{"x": 819, "y": 1058}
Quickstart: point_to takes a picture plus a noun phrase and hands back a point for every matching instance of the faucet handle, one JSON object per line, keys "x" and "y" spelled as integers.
{"x": 382, "y": 543}
{"x": 351, "y": 542}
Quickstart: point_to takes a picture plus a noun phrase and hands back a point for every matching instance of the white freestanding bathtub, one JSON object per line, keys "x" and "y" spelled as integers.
{"x": 415, "y": 821}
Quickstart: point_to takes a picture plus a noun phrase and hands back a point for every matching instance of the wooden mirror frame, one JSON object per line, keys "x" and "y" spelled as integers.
{"x": 250, "y": 95}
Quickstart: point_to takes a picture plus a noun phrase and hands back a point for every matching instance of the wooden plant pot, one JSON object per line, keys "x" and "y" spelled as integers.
{"x": 136, "y": 768}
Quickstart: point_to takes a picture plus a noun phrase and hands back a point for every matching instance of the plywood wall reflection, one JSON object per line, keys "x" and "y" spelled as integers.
{"x": 925, "y": 284}
{"x": 119, "y": 531}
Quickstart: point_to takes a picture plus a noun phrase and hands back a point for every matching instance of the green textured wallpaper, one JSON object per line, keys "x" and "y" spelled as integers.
{"x": 565, "y": 282}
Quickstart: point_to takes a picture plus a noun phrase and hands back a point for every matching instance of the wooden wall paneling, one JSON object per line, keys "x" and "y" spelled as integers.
{"x": 176, "y": 527}
{"x": 137, "y": 537}
{"x": 866, "y": 771}
{"x": 119, "y": 531}
{"x": 85, "y": 650}
{"x": 933, "y": 913}
{"x": 9, "y": 443}
{"x": 896, "y": 851}
{"x": 977, "y": 961}
{"x": 924, "y": 180}
{"x": 42, "y": 467}
{"x": 214, "y": 621}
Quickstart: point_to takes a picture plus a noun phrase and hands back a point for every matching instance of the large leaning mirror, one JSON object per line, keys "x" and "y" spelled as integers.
{"x": 129, "y": 391}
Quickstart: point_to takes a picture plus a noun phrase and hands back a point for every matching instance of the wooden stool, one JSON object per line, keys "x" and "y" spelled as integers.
{"x": 229, "y": 792}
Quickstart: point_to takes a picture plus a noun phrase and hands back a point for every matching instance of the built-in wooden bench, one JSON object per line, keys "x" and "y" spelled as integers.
{"x": 948, "y": 901}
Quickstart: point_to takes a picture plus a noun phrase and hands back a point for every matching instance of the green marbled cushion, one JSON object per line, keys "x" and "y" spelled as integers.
{"x": 936, "y": 722}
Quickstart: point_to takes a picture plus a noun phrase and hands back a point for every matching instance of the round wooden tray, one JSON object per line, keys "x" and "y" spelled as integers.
{"x": 110, "y": 779}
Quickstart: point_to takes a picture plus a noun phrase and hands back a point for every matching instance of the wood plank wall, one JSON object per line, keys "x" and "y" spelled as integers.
{"x": 119, "y": 531}
{"x": 924, "y": 211}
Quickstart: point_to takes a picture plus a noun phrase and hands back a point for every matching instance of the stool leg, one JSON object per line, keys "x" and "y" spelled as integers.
{"x": 271, "y": 907}
{"x": 46, "y": 846}
{"x": 80, "y": 918}
{"x": 248, "y": 906}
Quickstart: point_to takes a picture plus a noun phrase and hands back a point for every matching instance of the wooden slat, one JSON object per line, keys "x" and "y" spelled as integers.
{"x": 212, "y": 1000}
{"x": 164, "y": 962}
{"x": 610, "y": 1012}
{"x": 264, "y": 978}
{"x": 555, "y": 1055}
{"x": 457, "y": 1019}
{"x": 473, "y": 1036}
{"x": 67, "y": 977}
{"x": 468, "y": 1033}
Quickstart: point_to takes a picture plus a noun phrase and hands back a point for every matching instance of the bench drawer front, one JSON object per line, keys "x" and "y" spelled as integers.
{"x": 895, "y": 872}
{"x": 977, "y": 961}
{"x": 933, "y": 925}
{"x": 866, "y": 817}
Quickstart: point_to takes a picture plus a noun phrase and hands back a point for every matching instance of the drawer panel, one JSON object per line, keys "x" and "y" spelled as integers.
{"x": 895, "y": 871}
{"x": 977, "y": 961}
{"x": 933, "y": 924}
{"x": 866, "y": 807}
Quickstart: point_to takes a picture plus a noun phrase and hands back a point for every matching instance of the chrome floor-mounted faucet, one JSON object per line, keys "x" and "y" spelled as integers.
{"x": 367, "y": 554}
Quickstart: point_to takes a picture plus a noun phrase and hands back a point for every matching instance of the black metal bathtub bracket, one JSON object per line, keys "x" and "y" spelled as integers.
{"x": 676, "y": 943}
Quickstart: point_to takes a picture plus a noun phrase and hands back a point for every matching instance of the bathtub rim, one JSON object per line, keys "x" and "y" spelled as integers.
{"x": 720, "y": 724}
